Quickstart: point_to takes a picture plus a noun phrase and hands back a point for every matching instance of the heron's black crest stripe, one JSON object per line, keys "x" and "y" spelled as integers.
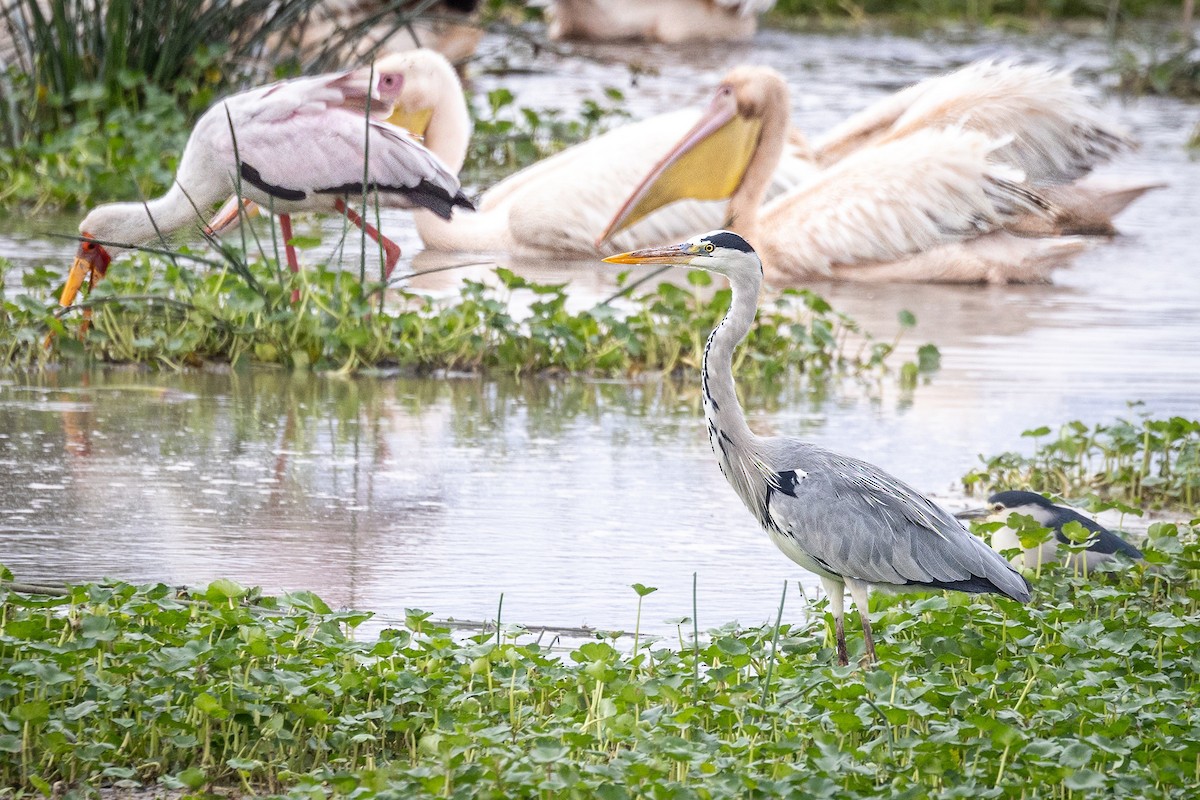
{"x": 730, "y": 240}
{"x": 253, "y": 177}
{"x": 424, "y": 194}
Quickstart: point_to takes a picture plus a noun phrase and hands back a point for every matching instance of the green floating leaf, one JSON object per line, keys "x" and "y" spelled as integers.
{"x": 222, "y": 590}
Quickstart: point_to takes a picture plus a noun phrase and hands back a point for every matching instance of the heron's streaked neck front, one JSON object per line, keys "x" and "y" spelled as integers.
{"x": 721, "y": 406}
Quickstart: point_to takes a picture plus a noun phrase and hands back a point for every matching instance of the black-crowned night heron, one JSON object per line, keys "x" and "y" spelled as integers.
{"x": 1102, "y": 545}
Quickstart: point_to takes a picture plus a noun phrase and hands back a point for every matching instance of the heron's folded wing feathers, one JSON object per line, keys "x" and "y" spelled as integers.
{"x": 863, "y": 523}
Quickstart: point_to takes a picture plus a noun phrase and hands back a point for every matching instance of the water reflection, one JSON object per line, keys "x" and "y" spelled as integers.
{"x": 383, "y": 493}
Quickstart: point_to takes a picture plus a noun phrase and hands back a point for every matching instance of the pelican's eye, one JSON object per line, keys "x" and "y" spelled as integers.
{"x": 88, "y": 245}
{"x": 708, "y": 248}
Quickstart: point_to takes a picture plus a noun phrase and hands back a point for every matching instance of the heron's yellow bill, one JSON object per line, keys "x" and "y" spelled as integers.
{"x": 675, "y": 254}
{"x": 415, "y": 122}
{"x": 707, "y": 164}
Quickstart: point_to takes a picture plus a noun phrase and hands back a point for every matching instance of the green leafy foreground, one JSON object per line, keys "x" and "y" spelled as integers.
{"x": 1090, "y": 690}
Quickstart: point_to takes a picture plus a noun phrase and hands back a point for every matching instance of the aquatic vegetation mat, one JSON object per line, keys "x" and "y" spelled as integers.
{"x": 1142, "y": 462}
{"x": 168, "y": 313}
{"x": 1089, "y": 691}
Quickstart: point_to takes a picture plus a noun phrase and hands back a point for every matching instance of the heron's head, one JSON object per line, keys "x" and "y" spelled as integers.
{"x": 711, "y": 160}
{"x": 418, "y": 80}
{"x": 723, "y": 252}
{"x": 1002, "y": 504}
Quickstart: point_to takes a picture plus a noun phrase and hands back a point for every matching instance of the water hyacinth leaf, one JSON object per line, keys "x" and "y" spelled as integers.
{"x": 1085, "y": 780}
{"x": 208, "y": 704}
{"x": 222, "y": 590}
{"x": 929, "y": 358}
{"x": 34, "y": 711}
{"x": 192, "y": 778}
{"x": 1076, "y": 754}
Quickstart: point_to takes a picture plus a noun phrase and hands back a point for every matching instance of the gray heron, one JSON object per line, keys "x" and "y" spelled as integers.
{"x": 846, "y": 520}
{"x": 1103, "y": 544}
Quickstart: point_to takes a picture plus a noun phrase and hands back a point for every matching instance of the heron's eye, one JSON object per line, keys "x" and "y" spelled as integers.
{"x": 997, "y": 507}
{"x": 708, "y": 248}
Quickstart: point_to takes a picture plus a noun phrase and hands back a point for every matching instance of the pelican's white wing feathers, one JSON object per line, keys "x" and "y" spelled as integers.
{"x": 929, "y": 189}
{"x": 1055, "y": 132}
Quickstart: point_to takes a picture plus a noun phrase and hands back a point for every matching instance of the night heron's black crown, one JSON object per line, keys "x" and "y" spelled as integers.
{"x": 1014, "y": 498}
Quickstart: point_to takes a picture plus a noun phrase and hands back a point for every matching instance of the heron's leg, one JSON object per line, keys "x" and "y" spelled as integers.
{"x": 858, "y": 591}
{"x": 836, "y": 591}
{"x": 391, "y": 249}
{"x": 285, "y": 227}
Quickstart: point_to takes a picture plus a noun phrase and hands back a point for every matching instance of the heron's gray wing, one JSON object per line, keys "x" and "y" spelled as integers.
{"x": 860, "y": 522}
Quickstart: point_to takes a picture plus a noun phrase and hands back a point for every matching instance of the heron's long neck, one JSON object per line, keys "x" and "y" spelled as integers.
{"x": 721, "y": 407}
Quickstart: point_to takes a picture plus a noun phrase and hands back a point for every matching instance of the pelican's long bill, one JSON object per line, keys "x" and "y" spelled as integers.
{"x": 707, "y": 164}
{"x": 674, "y": 254}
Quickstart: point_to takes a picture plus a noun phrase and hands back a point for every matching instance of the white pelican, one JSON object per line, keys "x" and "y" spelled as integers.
{"x": 300, "y": 146}
{"x": 936, "y": 204}
{"x": 1052, "y": 132}
{"x": 559, "y": 205}
{"x": 658, "y": 20}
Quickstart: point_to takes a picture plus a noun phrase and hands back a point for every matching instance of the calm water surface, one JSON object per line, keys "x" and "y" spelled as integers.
{"x": 442, "y": 494}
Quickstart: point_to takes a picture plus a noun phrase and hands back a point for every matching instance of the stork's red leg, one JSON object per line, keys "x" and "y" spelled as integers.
{"x": 285, "y": 227}
{"x": 391, "y": 249}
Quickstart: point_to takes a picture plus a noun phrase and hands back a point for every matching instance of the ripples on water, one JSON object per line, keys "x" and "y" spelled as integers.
{"x": 442, "y": 494}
